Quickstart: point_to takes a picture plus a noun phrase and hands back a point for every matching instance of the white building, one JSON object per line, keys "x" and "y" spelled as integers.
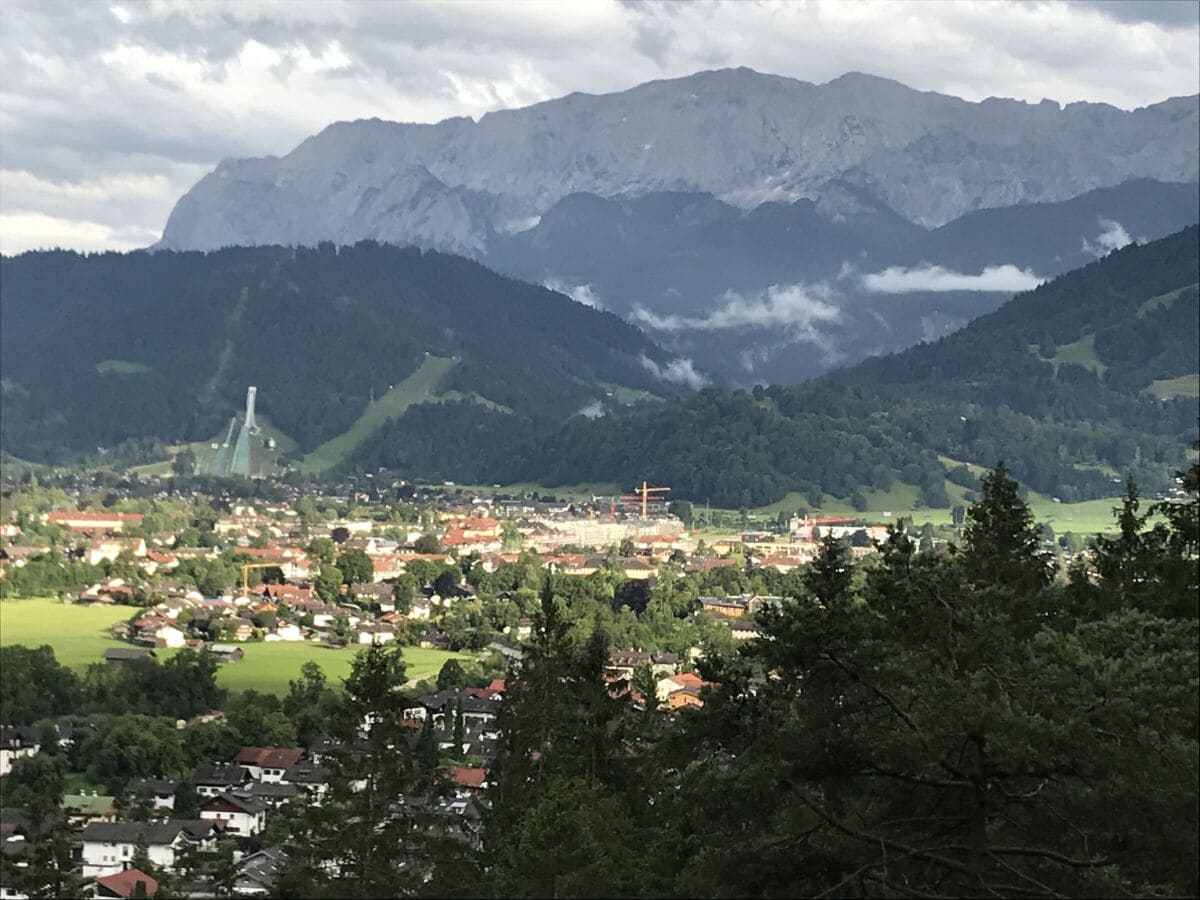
{"x": 108, "y": 847}
{"x": 17, "y": 742}
{"x": 239, "y": 815}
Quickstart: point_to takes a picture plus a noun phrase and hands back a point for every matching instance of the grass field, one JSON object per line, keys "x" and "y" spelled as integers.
{"x": 1088, "y": 517}
{"x": 1082, "y": 353}
{"x": 79, "y": 635}
{"x": 419, "y": 387}
{"x": 1162, "y": 300}
{"x": 121, "y": 367}
{"x": 1183, "y": 386}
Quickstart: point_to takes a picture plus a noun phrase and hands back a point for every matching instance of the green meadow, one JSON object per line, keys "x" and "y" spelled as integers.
{"x": 79, "y": 635}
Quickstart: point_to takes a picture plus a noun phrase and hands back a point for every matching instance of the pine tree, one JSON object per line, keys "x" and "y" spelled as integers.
{"x": 828, "y": 576}
{"x": 371, "y": 836}
{"x": 932, "y": 737}
{"x": 1002, "y": 547}
{"x": 458, "y": 735}
{"x": 1121, "y": 561}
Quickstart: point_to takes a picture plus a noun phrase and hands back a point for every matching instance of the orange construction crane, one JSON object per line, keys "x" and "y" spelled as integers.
{"x": 246, "y": 573}
{"x": 642, "y": 493}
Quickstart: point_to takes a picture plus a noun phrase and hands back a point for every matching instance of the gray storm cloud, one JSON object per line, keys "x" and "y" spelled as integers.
{"x": 1000, "y": 279}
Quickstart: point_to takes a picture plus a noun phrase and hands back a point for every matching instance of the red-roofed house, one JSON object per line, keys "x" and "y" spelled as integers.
{"x": 290, "y": 594}
{"x": 428, "y": 557}
{"x": 680, "y": 682}
{"x": 124, "y": 884}
{"x": 467, "y": 778}
{"x": 782, "y": 563}
{"x": 458, "y": 539}
{"x": 156, "y": 560}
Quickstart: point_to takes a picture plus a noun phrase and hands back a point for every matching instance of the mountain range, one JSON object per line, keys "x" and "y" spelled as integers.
{"x": 764, "y": 226}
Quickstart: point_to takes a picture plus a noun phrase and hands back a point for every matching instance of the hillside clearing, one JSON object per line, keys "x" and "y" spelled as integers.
{"x": 1080, "y": 353}
{"x": 419, "y": 387}
{"x": 1183, "y": 386}
{"x": 121, "y": 367}
{"x": 1163, "y": 300}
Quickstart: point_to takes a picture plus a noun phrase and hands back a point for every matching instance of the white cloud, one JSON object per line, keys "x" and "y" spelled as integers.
{"x": 593, "y": 410}
{"x": 1113, "y": 236}
{"x": 795, "y": 307}
{"x": 1001, "y": 279}
{"x": 678, "y": 371}
{"x": 580, "y": 293}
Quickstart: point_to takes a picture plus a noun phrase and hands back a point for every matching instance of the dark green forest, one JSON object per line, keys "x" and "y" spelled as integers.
{"x": 96, "y": 350}
{"x": 987, "y": 392}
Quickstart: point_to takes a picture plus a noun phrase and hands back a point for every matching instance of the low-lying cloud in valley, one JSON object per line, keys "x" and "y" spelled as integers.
{"x": 1006, "y": 279}
{"x": 796, "y": 307}
{"x": 678, "y": 371}
{"x": 1113, "y": 236}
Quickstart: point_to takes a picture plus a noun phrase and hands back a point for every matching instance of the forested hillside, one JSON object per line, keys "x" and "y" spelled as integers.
{"x": 103, "y": 349}
{"x": 1059, "y": 383}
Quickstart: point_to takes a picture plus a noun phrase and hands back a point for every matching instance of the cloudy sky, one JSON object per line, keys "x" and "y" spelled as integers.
{"x": 110, "y": 111}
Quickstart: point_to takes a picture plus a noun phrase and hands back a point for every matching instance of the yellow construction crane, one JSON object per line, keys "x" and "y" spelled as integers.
{"x": 642, "y": 493}
{"x": 246, "y": 573}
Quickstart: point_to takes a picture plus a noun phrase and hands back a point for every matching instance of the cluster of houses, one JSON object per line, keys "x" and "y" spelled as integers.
{"x": 234, "y": 799}
{"x": 488, "y": 529}
{"x": 673, "y": 689}
{"x": 366, "y": 614}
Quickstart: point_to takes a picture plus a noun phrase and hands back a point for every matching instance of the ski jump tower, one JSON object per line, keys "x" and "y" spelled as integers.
{"x": 238, "y": 463}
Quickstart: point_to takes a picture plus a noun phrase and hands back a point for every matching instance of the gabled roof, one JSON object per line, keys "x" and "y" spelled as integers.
{"x": 19, "y": 736}
{"x": 242, "y": 803}
{"x": 124, "y": 884}
{"x": 219, "y": 775}
{"x": 269, "y": 757}
{"x": 472, "y": 704}
{"x": 156, "y": 785}
{"x": 306, "y": 773}
{"x": 464, "y": 776}
{"x": 263, "y": 866}
{"x": 266, "y": 790}
{"x": 128, "y": 653}
{"x": 164, "y": 832}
